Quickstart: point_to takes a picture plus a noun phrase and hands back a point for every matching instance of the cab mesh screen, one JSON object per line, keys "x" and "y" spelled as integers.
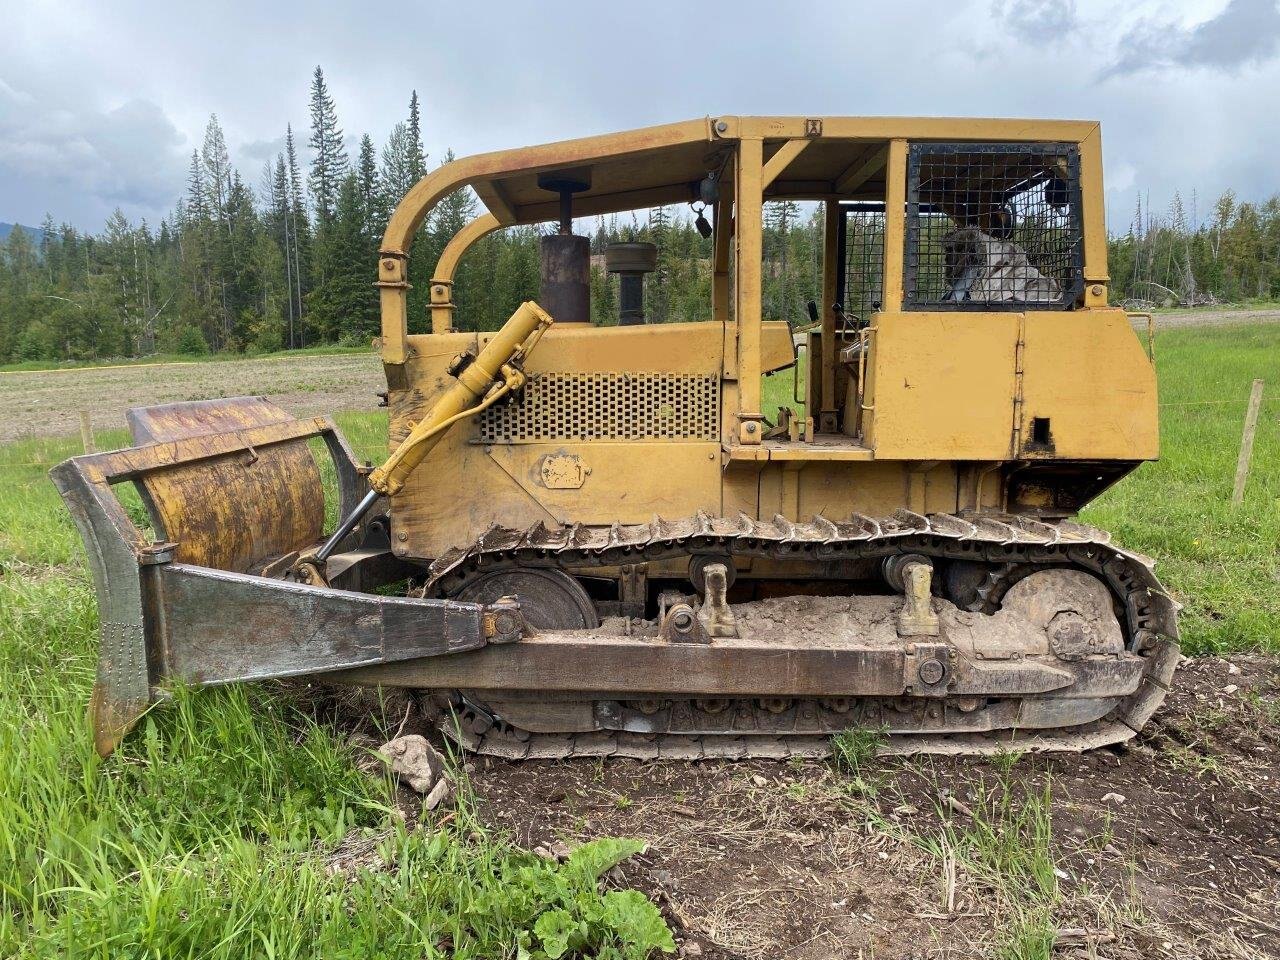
{"x": 993, "y": 226}
{"x": 861, "y": 246}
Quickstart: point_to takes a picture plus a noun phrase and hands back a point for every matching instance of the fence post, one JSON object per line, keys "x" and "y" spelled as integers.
{"x": 86, "y": 433}
{"x": 1246, "y": 443}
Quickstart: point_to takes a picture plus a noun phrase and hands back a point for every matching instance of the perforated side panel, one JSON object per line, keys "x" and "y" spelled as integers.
{"x": 608, "y": 406}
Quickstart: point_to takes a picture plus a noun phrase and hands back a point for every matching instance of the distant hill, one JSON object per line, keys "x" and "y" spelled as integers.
{"x": 35, "y": 233}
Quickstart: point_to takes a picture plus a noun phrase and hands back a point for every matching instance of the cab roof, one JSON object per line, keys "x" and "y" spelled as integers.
{"x": 842, "y": 158}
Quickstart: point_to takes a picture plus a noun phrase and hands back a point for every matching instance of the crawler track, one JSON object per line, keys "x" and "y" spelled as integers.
{"x": 1146, "y": 613}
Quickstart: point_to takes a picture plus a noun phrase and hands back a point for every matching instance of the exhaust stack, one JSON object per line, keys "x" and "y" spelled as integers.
{"x": 631, "y": 261}
{"x": 565, "y": 287}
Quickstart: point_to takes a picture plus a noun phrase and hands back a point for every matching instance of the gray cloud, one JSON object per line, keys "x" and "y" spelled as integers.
{"x": 55, "y": 156}
{"x": 254, "y": 153}
{"x": 1037, "y": 21}
{"x": 1245, "y": 33}
{"x": 101, "y": 104}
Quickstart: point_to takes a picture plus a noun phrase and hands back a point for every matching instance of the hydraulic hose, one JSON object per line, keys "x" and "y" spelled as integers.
{"x": 493, "y": 374}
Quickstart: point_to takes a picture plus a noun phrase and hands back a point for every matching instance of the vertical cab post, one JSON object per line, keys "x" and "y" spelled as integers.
{"x": 749, "y": 223}
{"x": 830, "y": 356}
{"x": 895, "y": 207}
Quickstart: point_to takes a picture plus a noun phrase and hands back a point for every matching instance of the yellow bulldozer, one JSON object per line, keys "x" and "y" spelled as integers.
{"x": 595, "y": 540}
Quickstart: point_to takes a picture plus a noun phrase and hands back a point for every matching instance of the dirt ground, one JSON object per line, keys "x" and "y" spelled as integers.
{"x": 1167, "y": 847}
{"x": 47, "y": 403}
{"x": 1200, "y": 317}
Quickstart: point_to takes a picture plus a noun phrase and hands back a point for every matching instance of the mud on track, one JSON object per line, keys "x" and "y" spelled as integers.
{"x": 47, "y": 403}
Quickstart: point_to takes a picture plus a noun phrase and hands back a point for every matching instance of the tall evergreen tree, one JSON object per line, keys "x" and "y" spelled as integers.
{"x": 343, "y": 305}
{"x": 417, "y": 155}
{"x": 49, "y": 252}
{"x": 278, "y": 215}
{"x": 369, "y": 188}
{"x": 300, "y": 239}
{"x": 329, "y": 162}
{"x": 404, "y": 162}
{"x": 215, "y": 162}
{"x": 197, "y": 207}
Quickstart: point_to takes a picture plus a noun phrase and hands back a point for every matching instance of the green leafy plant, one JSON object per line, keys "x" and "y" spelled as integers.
{"x": 855, "y": 748}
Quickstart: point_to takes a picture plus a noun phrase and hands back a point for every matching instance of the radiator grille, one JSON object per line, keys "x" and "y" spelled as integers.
{"x": 608, "y": 406}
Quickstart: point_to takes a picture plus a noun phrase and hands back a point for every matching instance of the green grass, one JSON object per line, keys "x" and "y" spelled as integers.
{"x": 1001, "y": 839}
{"x": 212, "y": 831}
{"x": 856, "y": 747}
{"x": 1221, "y": 562}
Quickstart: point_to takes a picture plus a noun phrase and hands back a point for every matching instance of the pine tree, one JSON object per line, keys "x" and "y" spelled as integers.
{"x": 300, "y": 239}
{"x": 404, "y": 162}
{"x": 295, "y": 173}
{"x": 49, "y": 251}
{"x": 197, "y": 301}
{"x": 369, "y": 188}
{"x": 657, "y": 284}
{"x": 395, "y": 177}
{"x": 197, "y": 207}
{"x": 417, "y": 156}
{"x": 215, "y": 163}
{"x": 278, "y": 213}
{"x": 343, "y": 305}
{"x": 329, "y": 162}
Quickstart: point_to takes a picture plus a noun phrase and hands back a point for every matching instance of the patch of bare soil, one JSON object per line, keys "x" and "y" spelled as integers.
{"x": 1165, "y": 848}
{"x": 1203, "y": 317}
{"x": 47, "y": 403}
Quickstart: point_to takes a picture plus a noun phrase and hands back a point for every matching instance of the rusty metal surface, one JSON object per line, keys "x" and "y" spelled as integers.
{"x": 163, "y": 620}
{"x": 121, "y": 690}
{"x": 224, "y": 627}
{"x": 197, "y": 418}
{"x": 564, "y": 290}
{"x": 234, "y": 510}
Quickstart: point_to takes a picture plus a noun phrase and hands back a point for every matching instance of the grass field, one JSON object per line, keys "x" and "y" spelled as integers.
{"x": 214, "y": 831}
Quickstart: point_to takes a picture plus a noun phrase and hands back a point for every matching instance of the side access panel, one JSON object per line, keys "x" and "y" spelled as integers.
{"x": 639, "y": 407}
{"x": 942, "y": 385}
{"x": 1085, "y": 372}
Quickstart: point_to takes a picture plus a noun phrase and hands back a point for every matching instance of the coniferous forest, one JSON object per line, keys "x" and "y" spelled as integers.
{"x": 285, "y": 257}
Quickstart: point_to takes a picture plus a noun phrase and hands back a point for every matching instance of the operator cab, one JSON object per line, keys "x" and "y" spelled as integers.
{"x": 930, "y": 227}
{"x": 986, "y": 227}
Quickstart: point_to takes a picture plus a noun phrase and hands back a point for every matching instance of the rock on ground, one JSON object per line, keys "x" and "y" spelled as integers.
{"x": 415, "y": 762}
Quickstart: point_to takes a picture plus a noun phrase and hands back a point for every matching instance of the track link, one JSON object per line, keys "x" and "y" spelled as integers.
{"x": 1148, "y": 616}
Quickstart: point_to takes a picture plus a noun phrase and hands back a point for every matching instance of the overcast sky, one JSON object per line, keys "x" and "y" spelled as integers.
{"x": 102, "y": 102}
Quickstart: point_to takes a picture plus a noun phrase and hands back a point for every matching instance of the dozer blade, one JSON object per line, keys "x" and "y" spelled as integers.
{"x": 233, "y": 494}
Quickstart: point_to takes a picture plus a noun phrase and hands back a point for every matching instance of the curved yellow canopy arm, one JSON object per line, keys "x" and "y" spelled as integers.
{"x": 442, "y": 305}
